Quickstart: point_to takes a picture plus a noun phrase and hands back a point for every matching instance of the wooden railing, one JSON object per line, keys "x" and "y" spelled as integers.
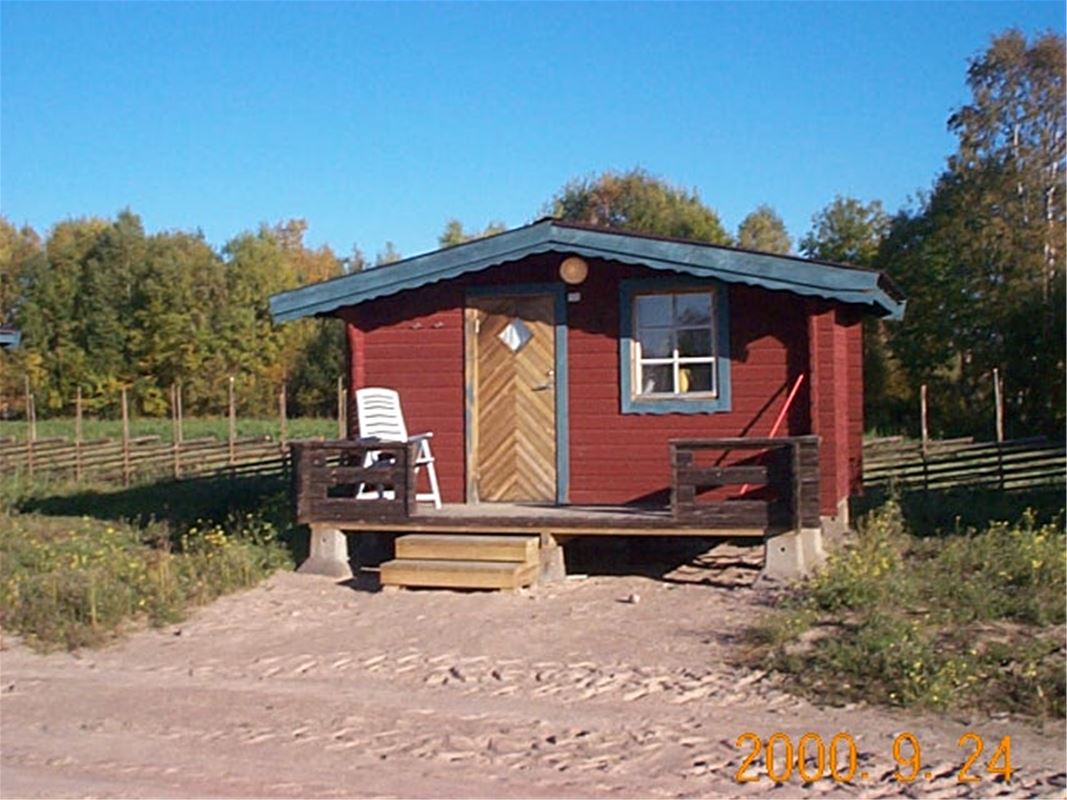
{"x": 327, "y": 477}
{"x": 788, "y": 466}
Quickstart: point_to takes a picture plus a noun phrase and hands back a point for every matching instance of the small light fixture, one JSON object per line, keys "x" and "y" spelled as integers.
{"x": 573, "y": 270}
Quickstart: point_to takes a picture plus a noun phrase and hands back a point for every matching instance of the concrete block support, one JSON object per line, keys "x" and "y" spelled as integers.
{"x": 794, "y": 554}
{"x": 553, "y": 567}
{"x": 328, "y": 553}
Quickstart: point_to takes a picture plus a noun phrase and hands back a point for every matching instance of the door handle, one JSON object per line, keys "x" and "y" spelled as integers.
{"x": 542, "y": 387}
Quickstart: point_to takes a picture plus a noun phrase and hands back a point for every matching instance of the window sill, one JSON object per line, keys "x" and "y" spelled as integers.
{"x": 705, "y": 405}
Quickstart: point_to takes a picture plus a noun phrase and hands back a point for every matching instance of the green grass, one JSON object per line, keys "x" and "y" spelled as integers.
{"x": 973, "y": 620}
{"x": 79, "y": 565}
{"x": 943, "y": 512}
{"x": 192, "y": 428}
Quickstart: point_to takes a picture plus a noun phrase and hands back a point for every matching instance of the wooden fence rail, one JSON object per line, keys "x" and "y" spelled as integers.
{"x": 142, "y": 457}
{"x": 1010, "y": 465}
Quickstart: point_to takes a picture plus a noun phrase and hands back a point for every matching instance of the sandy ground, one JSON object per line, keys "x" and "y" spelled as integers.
{"x": 306, "y": 688}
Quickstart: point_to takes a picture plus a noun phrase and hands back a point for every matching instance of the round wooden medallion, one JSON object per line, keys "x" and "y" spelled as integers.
{"x": 573, "y": 270}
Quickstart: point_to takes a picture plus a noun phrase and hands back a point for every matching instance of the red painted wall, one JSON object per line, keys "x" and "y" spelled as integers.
{"x": 413, "y": 342}
{"x": 836, "y": 357}
{"x": 855, "y": 407}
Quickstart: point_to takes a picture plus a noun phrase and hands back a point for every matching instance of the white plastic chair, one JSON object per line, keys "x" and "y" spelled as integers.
{"x": 380, "y": 418}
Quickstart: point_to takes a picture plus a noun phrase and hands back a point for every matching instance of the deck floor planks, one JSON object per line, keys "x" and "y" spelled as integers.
{"x": 590, "y": 520}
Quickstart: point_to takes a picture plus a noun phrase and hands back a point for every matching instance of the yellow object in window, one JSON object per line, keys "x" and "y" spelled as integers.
{"x": 683, "y": 380}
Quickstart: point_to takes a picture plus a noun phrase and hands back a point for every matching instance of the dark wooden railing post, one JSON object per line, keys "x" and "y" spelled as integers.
{"x": 791, "y": 470}
{"x": 327, "y": 477}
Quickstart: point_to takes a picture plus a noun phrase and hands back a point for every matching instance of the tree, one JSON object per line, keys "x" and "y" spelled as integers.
{"x": 982, "y": 256}
{"x": 1012, "y": 145}
{"x": 17, "y": 249}
{"x": 21, "y": 255}
{"x": 847, "y": 231}
{"x": 454, "y": 234}
{"x": 764, "y": 230}
{"x": 637, "y": 202}
{"x": 388, "y": 255}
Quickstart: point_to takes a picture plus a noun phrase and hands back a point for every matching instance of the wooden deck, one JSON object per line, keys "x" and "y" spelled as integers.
{"x": 553, "y": 520}
{"x": 778, "y": 480}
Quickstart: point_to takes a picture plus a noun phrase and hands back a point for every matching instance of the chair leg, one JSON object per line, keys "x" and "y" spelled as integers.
{"x": 425, "y": 459}
{"x": 435, "y": 491}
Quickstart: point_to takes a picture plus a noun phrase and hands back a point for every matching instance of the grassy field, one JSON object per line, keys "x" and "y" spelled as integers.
{"x": 969, "y": 620}
{"x": 192, "y": 428}
{"x": 79, "y": 564}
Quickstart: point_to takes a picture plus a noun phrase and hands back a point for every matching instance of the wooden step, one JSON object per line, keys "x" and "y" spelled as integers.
{"x": 457, "y": 574}
{"x": 459, "y": 547}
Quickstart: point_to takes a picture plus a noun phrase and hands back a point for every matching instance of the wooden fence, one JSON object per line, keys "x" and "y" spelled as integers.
{"x": 952, "y": 463}
{"x": 142, "y": 458}
{"x": 949, "y": 463}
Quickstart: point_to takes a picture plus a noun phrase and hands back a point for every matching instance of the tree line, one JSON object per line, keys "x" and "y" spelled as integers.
{"x": 980, "y": 255}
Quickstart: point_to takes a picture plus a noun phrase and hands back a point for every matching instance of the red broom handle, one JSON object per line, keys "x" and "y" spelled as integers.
{"x": 781, "y": 414}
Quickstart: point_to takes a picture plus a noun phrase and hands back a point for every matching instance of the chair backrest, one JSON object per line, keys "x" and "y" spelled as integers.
{"x": 379, "y": 414}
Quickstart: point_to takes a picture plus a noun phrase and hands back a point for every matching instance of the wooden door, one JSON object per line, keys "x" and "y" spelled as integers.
{"x": 511, "y": 356}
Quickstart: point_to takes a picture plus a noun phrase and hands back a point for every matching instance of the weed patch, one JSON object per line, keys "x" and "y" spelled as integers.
{"x": 972, "y": 620}
{"x": 70, "y": 582}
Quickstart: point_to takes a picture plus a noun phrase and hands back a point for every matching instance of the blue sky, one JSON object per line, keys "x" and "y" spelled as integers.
{"x": 380, "y": 121}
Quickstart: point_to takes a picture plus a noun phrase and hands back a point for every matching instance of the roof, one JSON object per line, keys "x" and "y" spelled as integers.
{"x": 839, "y": 282}
{"x": 9, "y": 337}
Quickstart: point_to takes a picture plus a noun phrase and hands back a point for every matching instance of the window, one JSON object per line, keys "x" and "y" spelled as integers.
{"x": 673, "y": 346}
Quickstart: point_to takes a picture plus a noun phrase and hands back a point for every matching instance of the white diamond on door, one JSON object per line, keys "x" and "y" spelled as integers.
{"x": 515, "y": 335}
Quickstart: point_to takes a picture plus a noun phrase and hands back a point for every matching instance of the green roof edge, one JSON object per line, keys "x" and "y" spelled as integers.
{"x": 853, "y": 285}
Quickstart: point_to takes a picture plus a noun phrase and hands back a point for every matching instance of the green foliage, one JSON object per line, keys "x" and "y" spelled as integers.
{"x": 388, "y": 255}
{"x": 847, "y": 231}
{"x": 72, "y": 582}
{"x": 764, "y": 230}
{"x": 970, "y": 620}
{"x": 635, "y": 201}
{"x": 454, "y": 234}
{"x": 102, "y": 305}
{"x": 982, "y": 258}
{"x": 313, "y": 381}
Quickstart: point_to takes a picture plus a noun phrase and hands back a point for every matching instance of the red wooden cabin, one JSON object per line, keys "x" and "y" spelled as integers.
{"x": 555, "y": 363}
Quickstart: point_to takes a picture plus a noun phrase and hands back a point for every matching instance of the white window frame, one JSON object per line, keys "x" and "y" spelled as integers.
{"x": 676, "y": 361}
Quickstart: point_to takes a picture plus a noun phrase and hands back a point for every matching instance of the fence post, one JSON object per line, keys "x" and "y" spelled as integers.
{"x": 925, "y": 436}
{"x": 233, "y": 425}
{"x": 78, "y": 435}
{"x": 31, "y": 421}
{"x": 998, "y": 400}
{"x": 282, "y": 422}
{"x": 125, "y": 440}
{"x": 176, "y": 428}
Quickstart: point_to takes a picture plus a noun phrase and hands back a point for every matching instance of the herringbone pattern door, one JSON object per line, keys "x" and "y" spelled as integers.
{"x": 510, "y": 367}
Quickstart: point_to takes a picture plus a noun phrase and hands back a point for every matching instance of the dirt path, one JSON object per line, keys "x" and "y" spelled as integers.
{"x": 303, "y": 688}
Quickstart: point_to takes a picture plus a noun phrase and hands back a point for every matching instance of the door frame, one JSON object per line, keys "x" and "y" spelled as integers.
{"x": 558, "y": 293}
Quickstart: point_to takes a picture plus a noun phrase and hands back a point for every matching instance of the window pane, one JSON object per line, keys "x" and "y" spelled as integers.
{"x": 653, "y": 309}
{"x": 694, "y": 309}
{"x": 657, "y": 378}
{"x": 655, "y": 343}
{"x": 695, "y": 378}
{"x": 694, "y": 343}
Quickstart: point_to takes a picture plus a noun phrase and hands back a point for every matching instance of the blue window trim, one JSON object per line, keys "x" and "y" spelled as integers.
{"x": 630, "y": 404}
{"x": 559, "y": 296}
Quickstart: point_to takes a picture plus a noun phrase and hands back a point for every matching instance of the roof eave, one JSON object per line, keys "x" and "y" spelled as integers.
{"x": 863, "y": 287}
